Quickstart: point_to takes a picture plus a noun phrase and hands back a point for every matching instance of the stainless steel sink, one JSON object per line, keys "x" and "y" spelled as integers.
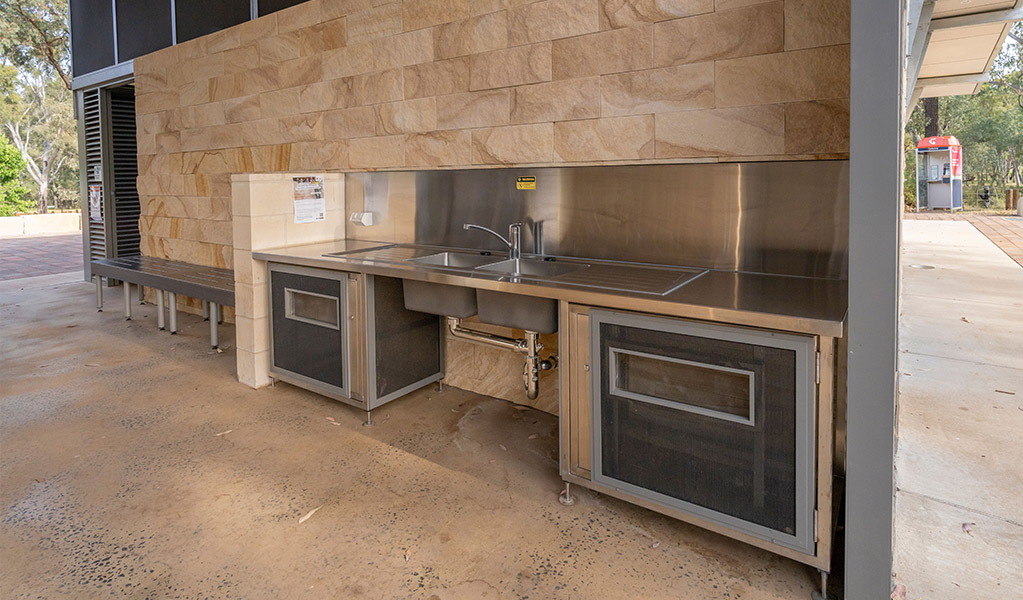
{"x": 458, "y": 260}
{"x": 532, "y": 267}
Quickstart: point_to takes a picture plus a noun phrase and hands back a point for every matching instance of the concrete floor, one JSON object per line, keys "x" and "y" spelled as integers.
{"x": 959, "y": 504}
{"x": 134, "y": 466}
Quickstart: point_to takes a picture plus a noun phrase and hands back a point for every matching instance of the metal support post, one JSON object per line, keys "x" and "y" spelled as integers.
{"x": 142, "y": 294}
{"x": 205, "y": 310}
{"x": 214, "y": 317}
{"x": 159, "y": 309}
{"x": 99, "y": 294}
{"x": 127, "y": 300}
{"x": 173, "y": 313}
{"x": 566, "y": 497}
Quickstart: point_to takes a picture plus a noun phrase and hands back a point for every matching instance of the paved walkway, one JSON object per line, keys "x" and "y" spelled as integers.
{"x": 1006, "y": 231}
{"x": 959, "y": 517}
{"x": 36, "y": 255}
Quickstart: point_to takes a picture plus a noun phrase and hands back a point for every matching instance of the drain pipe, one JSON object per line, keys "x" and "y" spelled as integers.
{"x": 530, "y": 346}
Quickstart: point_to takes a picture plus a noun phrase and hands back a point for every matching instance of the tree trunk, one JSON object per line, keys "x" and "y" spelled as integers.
{"x": 44, "y": 196}
{"x": 930, "y": 117}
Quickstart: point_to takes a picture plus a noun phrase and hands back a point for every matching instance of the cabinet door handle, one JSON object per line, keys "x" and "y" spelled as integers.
{"x": 586, "y": 367}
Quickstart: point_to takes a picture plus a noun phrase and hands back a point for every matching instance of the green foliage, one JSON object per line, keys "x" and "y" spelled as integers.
{"x": 989, "y": 125}
{"x": 34, "y": 34}
{"x": 36, "y": 110}
{"x": 12, "y": 193}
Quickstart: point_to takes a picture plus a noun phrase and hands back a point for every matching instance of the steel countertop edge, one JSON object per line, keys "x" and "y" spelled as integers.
{"x": 784, "y": 303}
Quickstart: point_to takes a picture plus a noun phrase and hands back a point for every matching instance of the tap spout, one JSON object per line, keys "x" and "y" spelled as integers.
{"x": 513, "y": 241}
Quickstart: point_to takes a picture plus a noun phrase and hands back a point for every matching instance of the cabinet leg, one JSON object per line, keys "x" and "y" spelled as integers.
{"x": 566, "y": 498}
{"x": 440, "y": 386}
{"x": 369, "y": 419}
{"x": 205, "y": 310}
{"x": 823, "y": 593}
{"x": 99, "y": 294}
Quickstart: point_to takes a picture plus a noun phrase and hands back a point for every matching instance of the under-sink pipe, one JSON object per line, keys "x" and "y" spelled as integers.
{"x": 530, "y": 346}
{"x": 518, "y": 345}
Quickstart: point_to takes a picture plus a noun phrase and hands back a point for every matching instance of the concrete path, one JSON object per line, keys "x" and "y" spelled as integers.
{"x": 1006, "y": 231}
{"x": 38, "y": 255}
{"x": 134, "y": 465}
{"x": 959, "y": 465}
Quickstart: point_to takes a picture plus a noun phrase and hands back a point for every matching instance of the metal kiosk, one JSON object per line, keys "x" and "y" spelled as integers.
{"x": 939, "y": 173}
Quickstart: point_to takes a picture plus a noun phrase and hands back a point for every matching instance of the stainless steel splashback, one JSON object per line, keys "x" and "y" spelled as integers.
{"x": 787, "y": 218}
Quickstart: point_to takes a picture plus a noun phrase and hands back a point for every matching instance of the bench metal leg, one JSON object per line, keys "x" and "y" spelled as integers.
{"x": 205, "y": 310}
{"x": 173, "y": 313}
{"x": 214, "y": 319}
{"x": 99, "y": 293}
{"x": 142, "y": 294}
{"x": 159, "y": 309}
{"x": 127, "y": 300}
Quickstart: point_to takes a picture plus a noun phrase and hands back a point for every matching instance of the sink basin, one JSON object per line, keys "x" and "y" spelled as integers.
{"x": 462, "y": 260}
{"x": 532, "y": 267}
{"x": 517, "y": 311}
{"x": 439, "y": 299}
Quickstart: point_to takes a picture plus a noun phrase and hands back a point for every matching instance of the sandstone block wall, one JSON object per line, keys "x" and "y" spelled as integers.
{"x": 336, "y": 85}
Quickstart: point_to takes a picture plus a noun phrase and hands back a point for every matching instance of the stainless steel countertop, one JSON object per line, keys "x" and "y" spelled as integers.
{"x": 785, "y": 303}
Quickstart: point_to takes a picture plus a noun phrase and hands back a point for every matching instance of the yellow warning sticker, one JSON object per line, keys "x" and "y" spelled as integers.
{"x": 525, "y": 183}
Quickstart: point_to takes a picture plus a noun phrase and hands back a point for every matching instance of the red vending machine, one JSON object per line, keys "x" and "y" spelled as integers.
{"x": 939, "y": 173}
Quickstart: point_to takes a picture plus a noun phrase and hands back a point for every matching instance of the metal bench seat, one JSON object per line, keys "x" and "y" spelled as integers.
{"x": 212, "y": 285}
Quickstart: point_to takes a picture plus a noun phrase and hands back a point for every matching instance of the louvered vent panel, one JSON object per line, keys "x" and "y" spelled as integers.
{"x": 124, "y": 170}
{"x": 93, "y": 176}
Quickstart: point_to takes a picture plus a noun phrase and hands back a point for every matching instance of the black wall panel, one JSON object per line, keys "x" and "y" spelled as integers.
{"x": 143, "y": 26}
{"x": 92, "y": 35}
{"x": 268, "y": 6}
{"x": 196, "y": 18}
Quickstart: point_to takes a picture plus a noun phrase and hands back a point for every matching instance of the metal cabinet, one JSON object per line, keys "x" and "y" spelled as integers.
{"x": 349, "y": 336}
{"x": 717, "y": 425}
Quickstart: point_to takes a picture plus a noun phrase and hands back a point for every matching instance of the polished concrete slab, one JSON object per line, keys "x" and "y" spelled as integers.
{"x": 959, "y": 499}
{"x": 133, "y": 465}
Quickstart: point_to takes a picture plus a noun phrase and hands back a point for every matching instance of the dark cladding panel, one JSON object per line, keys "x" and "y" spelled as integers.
{"x": 143, "y": 26}
{"x": 268, "y": 6}
{"x": 197, "y": 18}
{"x": 92, "y": 35}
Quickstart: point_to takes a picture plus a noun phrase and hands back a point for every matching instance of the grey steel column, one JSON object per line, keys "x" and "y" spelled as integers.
{"x": 875, "y": 216}
{"x": 214, "y": 318}
{"x": 127, "y": 300}
{"x": 173, "y": 313}
{"x": 141, "y": 294}
{"x": 159, "y": 309}
{"x": 205, "y": 310}
{"x": 99, "y": 294}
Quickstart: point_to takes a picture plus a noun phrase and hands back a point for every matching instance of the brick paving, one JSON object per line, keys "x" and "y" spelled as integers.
{"x": 1005, "y": 230}
{"x": 35, "y": 255}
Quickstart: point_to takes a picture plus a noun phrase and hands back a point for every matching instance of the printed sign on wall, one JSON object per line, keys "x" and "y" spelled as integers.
{"x": 310, "y": 205}
{"x": 95, "y": 201}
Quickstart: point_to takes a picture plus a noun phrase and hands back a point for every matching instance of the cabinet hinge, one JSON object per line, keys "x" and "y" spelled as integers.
{"x": 817, "y": 377}
{"x": 815, "y": 527}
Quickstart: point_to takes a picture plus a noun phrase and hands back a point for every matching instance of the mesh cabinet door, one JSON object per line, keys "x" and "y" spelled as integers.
{"x": 709, "y": 420}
